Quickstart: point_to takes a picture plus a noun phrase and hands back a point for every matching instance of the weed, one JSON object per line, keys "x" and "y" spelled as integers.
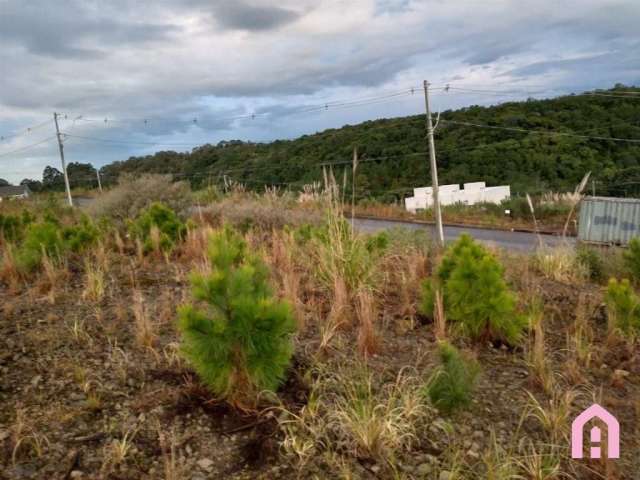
{"x": 94, "y": 282}
{"x": 144, "y": 325}
{"x": 25, "y": 437}
{"x": 555, "y": 415}
{"x": 561, "y": 264}
{"x": 536, "y": 353}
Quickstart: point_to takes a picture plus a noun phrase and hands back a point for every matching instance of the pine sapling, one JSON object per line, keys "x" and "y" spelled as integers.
{"x": 238, "y": 339}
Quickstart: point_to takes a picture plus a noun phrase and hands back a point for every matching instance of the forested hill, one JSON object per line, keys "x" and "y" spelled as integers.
{"x": 391, "y": 150}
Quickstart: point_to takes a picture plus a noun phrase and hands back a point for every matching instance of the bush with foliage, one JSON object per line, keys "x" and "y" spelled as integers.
{"x": 44, "y": 238}
{"x": 134, "y": 194}
{"x": 169, "y": 228}
{"x": 451, "y": 386}
{"x": 239, "y": 340}
{"x": 623, "y": 307}
{"x": 78, "y": 237}
{"x": 11, "y": 227}
{"x": 48, "y": 237}
{"x": 591, "y": 260}
{"x": 632, "y": 259}
{"x": 475, "y": 293}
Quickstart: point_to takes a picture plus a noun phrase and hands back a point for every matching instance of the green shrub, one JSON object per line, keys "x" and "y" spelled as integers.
{"x": 592, "y": 261}
{"x": 632, "y": 258}
{"x": 378, "y": 242}
{"x": 623, "y": 307}
{"x": 451, "y": 387}
{"x": 158, "y": 215}
{"x": 475, "y": 294}
{"x": 240, "y": 342}
{"x": 11, "y": 227}
{"x": 78, "y": 237}
{"x": 40, "y": 239}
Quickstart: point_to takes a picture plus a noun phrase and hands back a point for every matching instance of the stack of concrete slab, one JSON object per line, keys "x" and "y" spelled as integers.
{"x": 470, "y": 194}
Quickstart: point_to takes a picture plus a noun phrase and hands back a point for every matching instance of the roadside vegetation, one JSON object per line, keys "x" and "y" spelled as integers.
{"x": 163, "y": 333}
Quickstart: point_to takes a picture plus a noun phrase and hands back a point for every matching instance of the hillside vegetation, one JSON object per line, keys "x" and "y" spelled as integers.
{"x": 529, "y": 162}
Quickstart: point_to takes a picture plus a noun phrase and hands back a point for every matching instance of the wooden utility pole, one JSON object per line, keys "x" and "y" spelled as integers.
{"x": 99, "y": 181}
{"x": 434, "y": 169}
{"x": 64, "y": 166}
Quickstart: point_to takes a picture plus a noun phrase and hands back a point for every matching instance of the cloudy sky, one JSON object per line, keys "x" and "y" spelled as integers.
{"x": 174, "y": 74}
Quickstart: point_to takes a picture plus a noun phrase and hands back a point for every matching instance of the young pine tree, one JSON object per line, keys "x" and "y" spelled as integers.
{"x": 475, "y": 294}
{"x": 623, "y": 307}
{"x": 239, "y": 340}
{"x": 451, "y": 387}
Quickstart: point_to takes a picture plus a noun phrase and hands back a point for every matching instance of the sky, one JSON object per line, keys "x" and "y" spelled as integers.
{"x": 131, "y": 78}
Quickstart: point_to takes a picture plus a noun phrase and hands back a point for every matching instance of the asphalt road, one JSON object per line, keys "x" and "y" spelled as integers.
{"x": 520, "y": 241}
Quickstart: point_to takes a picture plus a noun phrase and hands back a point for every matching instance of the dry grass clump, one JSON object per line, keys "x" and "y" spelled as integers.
{"x": 561, "y": 264}
{"x": 266, "y": 212}
{"x": 95, "y": 281}
{"x": 283, "y": 257}
{"x": 536, "y": 354}
{"x": 145, "y": 328}
{"x": 134, "y": 194}
{"x": 25, "y": 438}
{"x": 349, "y": 417}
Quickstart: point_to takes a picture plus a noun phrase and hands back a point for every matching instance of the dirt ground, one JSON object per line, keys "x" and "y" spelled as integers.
{"x": 80, "y": 398}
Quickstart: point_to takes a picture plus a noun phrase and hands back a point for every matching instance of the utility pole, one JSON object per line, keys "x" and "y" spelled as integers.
{"x": 64, "y": 166}
{"x": 434, "y": 169}
{"x": 99, "y": 182}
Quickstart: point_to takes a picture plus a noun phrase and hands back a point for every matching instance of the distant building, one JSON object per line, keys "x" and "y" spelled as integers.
{"x": 470, "y": 194}
{"x": 10, "y": 192}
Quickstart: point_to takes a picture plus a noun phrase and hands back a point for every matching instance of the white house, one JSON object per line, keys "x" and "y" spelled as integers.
{"x": 10, "y": 192}
{"x": 470, "y": 194}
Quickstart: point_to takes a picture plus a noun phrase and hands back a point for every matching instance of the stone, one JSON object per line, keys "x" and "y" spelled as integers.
{"x": 205, "y": 463}
{"x": 76, "y": 474}
{"x": 424, "y": 469}
{"x": 445, "y": 475}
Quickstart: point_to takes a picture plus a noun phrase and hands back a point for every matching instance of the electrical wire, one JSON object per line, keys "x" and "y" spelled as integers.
{"x": 25, "y": 131}
{"x": 27, "y": 147}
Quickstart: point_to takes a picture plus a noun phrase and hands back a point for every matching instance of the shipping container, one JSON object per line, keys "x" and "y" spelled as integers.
{"x": 609, "y": 220}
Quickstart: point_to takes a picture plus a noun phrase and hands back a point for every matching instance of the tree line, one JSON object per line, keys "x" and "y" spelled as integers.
{"x": 391, "y": 156}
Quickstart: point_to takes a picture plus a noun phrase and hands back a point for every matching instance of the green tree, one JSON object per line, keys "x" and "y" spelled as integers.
{"x": 623, "y": 307}
{"x": 451, "y": 386}
{"x": 475, "y": 294}
{"x": 158, "y": 227}
{"x": 239, "y": 340}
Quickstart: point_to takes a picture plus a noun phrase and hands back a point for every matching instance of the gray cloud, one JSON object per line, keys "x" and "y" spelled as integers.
{"x": 243, "y": 16}
{"x": 173, "y": 60}
{"x": 70, "y": 29}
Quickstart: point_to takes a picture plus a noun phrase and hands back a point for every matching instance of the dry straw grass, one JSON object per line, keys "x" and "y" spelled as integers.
{"x": 145, "y": 328}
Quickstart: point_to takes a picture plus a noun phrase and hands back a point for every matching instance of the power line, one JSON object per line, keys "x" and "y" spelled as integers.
{"x": 27, "y": 147}
{"x": 25, "y": 131}
{"x": 126, "y": 142}
{"x": 334, "y": 104}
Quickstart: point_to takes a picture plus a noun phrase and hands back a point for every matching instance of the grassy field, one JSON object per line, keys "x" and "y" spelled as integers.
{"x": 164, "y": 334}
